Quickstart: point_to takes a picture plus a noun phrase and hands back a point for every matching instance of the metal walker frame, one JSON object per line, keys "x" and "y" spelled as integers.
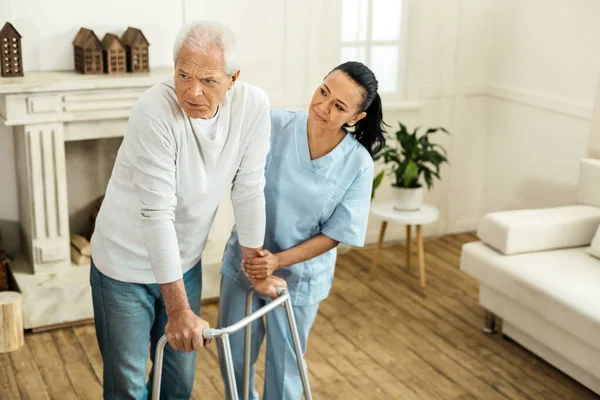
{"x": 223, "y": 335}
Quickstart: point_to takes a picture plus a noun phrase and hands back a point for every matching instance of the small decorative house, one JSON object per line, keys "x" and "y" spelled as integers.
{"x": 136, "y": 45}
{"x": 10, "y": 45}
{"x": 114, "y": 54}
{"x": 88, "y": 52}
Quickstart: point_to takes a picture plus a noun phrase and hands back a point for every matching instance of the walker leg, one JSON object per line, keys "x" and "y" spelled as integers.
{"x": 299, "y": 356}
{"x": 230, "y": 372}
{"x": 247, "y": 346}
{"x": 158, "y": 364}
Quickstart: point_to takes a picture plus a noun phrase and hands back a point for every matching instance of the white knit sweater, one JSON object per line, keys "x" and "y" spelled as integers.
{"x": 169, "y": 178}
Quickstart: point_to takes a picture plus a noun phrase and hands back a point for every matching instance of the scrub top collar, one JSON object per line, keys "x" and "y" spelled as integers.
{"x": 303, "y": 150}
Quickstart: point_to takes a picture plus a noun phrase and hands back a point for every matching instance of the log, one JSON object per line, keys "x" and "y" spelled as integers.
{"x": 11, "y": 321}
{"x": 79, "y": 259}
{"x": 81, "y": 244}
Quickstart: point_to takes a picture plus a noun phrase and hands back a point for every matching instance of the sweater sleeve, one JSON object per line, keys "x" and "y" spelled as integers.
{"x": 247, "y": 193}
{"x": 153, "y": 153}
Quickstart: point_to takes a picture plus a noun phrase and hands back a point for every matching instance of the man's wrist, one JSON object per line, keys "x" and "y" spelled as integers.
{"x": 174, "y": 297}
{"x": 248, "y": 252}
{"x": 177, "y": 310}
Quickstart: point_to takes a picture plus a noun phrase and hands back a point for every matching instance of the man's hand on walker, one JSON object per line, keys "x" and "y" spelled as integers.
{"x": 268, "y": 287}
{"x": 184, "y": 331}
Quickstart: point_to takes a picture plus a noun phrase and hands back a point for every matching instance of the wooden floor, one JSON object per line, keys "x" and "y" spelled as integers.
{"x": 373, "y": 339}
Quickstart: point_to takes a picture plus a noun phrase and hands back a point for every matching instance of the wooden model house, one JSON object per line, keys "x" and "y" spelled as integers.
{"x": 114, "y": 54}
{"x": 12, "y": 60}
{"x": 136, "y": 45}
{"x": 88, "y": 52}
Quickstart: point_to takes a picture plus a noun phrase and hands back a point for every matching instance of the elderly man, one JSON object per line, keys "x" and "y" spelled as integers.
{"x": 187, "y": 140}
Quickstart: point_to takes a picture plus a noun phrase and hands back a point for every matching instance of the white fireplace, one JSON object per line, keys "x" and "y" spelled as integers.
{"x": 67, "y": 128}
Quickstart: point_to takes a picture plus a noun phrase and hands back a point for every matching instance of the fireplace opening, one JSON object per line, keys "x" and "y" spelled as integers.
{"x": 89, "y": 164}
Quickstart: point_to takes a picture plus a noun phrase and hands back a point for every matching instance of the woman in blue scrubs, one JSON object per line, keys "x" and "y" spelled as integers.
{"x": 319, "y": 175}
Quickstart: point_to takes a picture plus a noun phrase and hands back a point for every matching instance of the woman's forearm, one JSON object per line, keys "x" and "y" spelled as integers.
{"x": 313, "y": 247}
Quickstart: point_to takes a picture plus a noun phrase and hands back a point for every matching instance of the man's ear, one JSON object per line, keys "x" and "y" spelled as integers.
{"x": 234, "y": 78}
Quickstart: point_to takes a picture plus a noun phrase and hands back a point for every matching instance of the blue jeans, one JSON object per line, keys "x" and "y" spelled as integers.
{"x": 128, "y": 317}
{"x": 282, "y": 378}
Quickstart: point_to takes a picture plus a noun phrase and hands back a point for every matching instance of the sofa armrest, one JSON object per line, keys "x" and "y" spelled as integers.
{"x": 521, "y": 231}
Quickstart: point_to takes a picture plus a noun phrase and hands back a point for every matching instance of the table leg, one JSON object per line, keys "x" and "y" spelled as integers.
{"x": 378, "y": 249}
{"x": 421, "y": 255}
{"x": 408, "y": 247}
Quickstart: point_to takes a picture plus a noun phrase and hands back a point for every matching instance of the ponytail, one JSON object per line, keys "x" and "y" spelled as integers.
{"x": 369, "y": 131}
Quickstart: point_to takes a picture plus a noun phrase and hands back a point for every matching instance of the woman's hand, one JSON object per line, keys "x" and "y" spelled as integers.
{"x": 261, "y": 267}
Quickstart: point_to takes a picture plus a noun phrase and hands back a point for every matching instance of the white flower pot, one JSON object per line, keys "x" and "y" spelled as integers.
{"x": 408, "y": 199}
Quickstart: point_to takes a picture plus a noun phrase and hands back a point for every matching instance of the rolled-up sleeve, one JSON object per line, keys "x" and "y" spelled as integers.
{"x": 153, "y": 154}
{"x": 247, "y": 193}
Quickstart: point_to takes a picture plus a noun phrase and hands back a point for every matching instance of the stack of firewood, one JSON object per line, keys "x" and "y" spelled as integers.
{"x": 81, "y": 250}
{"x": 12, "y": 337}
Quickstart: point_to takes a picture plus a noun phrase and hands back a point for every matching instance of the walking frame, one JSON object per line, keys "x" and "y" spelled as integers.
{"x": 223, "y": 335}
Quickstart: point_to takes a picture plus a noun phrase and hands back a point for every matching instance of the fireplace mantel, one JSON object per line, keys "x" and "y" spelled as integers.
{"x": 66, "y": 96}
{"x": 45, "y": 110}
{"x": 67, "y": 81}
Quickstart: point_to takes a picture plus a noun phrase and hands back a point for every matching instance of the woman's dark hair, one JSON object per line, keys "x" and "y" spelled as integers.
{"x": 370, "y": 130}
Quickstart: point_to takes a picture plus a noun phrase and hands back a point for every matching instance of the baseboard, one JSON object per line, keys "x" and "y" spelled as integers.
{"x": 211, "y": 282}
{"x": 464, "y": 225}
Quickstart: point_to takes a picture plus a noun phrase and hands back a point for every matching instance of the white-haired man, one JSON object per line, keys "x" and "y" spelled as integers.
{"x": 187, "y": 140}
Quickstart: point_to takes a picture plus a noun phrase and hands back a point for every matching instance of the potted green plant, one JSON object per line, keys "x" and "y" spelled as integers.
{"x": 414, "y": 160}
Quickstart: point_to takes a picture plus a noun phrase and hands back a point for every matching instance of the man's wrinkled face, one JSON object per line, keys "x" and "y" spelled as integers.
{"x": 201, "y": 82}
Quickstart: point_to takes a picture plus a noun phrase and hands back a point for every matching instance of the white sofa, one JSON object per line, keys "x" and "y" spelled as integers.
{"x": 539, "y": 271}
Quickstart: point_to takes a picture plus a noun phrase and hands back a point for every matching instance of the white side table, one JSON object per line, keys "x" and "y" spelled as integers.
{"x": 425, "y": 215}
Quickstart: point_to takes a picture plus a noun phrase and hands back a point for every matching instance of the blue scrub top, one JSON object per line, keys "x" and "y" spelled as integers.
{"x": 304, "y": 197}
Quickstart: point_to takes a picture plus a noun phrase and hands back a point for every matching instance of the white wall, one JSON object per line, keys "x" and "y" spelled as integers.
{"x": 451, "y": 48}
{"x": 8, "y": 184}
{"x": 287, "y": 47}
{"x": 273, "y": 35}
{"x": 503, "y": 77}
{"x": 515, "y": 81}
{"x": 49, "y": 27}
{"x": 543, "y": 71}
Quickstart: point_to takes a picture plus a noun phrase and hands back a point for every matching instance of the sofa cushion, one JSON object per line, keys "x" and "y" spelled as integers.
{"x": 521, "y": 231}
{"x": 561, "y": 286}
